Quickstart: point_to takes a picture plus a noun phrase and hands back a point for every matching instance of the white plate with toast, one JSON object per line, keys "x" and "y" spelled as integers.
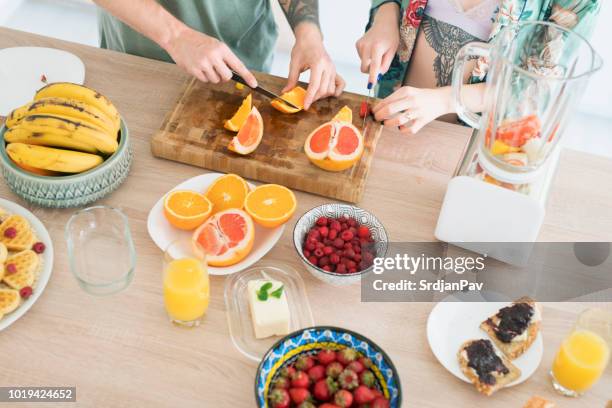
{"x": 163, "y": 234}
{"x": 23, "y": 257}
{"x": 452, "y": 323}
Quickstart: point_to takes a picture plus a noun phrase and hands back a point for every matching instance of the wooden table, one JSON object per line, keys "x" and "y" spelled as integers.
{"x": 120, "y": 351}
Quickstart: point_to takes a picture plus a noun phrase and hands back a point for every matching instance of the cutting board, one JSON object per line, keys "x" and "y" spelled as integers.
{"x": 193, "y": 133}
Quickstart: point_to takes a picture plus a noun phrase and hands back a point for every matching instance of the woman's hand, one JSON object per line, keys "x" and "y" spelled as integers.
{"x": 206, "y": 58}
{"x": 309, "y": 53}
{"x": 379, "y": 44}
{"x": 409, "y": 109}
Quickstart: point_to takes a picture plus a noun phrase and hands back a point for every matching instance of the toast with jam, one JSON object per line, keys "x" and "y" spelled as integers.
{"x": 485, "y": 367}
{"x": 514, "y": 328}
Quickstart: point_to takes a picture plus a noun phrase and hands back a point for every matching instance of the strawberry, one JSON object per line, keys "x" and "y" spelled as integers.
{"x": 304, "y": 363}
{"x": 287, "y": 372}
{"x": 334, "y": 369}
{"x": 327, "y": 356}
{"x": 363, "y": 395}
{"x": 324, "y": 389}
{"x": 279, "y": 398}
{"x": 299, "y": 395}
{"x": 299, "y": 380}
{"x": 380, "y": 402}
{"x": 367, "y": 378}
{"x": 316, "y": 373}
{"x": 347, "y": 355}
{"x": 356, "y": 366}
{"x": 348, "y": 379}
{"x": 281, "y": 382}
{"x": 343, "y": 398}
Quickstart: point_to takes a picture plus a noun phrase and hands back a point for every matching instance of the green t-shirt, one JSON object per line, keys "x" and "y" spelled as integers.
{"x": 246, "y": 26}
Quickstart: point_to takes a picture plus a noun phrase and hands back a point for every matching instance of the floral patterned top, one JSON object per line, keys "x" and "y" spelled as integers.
{"x": 578, "y": 15}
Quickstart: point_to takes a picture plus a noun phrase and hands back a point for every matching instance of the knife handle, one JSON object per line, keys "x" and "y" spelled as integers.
{"x": 238, "y": 78}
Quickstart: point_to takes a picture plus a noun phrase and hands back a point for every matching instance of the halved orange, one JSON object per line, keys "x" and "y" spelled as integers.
{"x": 235, "y": 123}
{"x": 270, "y": 205}
{"x": 227, "y": 237}
{"x": 344, "y": 115}
{"x": 228, "y": 191}
{"x": 296, "y": 96}
{"x": 250, "y": 134}
{"x": 186, "y": 209}
{"x": 334, "y": 146}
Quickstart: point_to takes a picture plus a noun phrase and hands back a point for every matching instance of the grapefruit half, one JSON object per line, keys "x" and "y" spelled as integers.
{"x": 334, "y": 146}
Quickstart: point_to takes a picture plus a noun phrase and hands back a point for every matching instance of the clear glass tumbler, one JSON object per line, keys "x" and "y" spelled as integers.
{"x": 584, "y": 354}
{"x": 101, "y": 250}
{"x": 186, "y": 283}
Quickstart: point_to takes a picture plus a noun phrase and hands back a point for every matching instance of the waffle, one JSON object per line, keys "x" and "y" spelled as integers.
{"x": 26, "y": 263}
{"x": 3, "y": 255}
{"x": 3, "y": 214}
{"x": 24, "y": 238}
{"x": 9, "y": 301}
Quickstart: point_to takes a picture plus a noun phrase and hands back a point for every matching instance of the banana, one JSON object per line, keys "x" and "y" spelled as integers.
{"x": 82, "y": 94}
{"x": 67, "y": 108}
{"x": 47, "y": 158}
{"x": 74, "y": 141}
{"x": 79, "y": 131}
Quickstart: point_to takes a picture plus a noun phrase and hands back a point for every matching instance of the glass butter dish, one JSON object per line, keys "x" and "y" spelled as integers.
{"x": 239, "y": 313}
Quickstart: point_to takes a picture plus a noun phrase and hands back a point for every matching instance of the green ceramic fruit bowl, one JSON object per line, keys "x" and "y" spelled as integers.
{"x": 71, "y": 190}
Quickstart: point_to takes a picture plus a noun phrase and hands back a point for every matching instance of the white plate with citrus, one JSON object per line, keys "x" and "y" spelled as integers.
{"x": 24, "y": 258}
{"x": 234, "y": 221}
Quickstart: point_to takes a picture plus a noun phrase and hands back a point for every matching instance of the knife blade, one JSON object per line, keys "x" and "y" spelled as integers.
{"x": 263, "y": 91}
{"x": 367, "y": 111}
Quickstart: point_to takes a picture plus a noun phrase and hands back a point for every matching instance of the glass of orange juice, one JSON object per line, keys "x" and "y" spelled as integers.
{"x": 584, "y": 354}
{"x": 186, "y": 283}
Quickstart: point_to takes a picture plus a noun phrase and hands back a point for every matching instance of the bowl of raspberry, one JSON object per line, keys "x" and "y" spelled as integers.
{"x": 338, "y": 242}
{"x": 324, "y": 366}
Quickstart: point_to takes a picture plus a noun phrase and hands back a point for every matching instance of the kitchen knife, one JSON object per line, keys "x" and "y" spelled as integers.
{"x": 263, "y": 91}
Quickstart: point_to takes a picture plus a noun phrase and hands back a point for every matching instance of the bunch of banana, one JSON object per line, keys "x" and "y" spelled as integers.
{"x": 67, "y": 128}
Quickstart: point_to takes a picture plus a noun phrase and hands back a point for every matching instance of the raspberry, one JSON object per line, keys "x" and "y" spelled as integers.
{"x": 351, "y": 222}
{"x": 328, "y": 250}
{"x": 349, "y": 253}
{"x": 324, "y": 231}
{"x": 326, "y": 268}
{"x": 351, "y": 265}
{"x": 321, "y": 221}
{"x": 314, "y": 233}
{"x": 313, "y": 260}
{"x": 10, "y": 232}
{"x": 10, "y": 269}
{"x": 334, "y": 258}
{"x": 25, "y": 292}
{"x": 307, "y": 253}
{"x": 346, "y": 235}
{"x": 324, "y": 261}
{"x": 363, "y": 232}
{"x": 367, "y": 257}
{"x": 320, "y": 245}
{"x": 38, "y": 247}
{"x": 344, "y": 226}
{"x": 341, "y": 268}
{"x": 338, "y": 243}
{"x": 352, "y": 270}
{"x": 347, "y": 245}
{"x": 335, "y": 225}
{"x": 310, "y": 246}
{"x": 318, "y": 252}
{"x": 357, "y": 258}
{"x": 332, "y": 234}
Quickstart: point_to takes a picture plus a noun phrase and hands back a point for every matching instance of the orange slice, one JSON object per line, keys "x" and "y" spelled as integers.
{"x": 334, "y": 146}
{"x": 235, "y": 123}
{"x": 270, "y": 205}
{"x": 344, "y": 115}
{"x": 186, "y": 209}
{"x": 296, "y": 96}
{"x": 249, "y": 136}
{"x": 228, "y": 191}
{"x": 226, "y": 237}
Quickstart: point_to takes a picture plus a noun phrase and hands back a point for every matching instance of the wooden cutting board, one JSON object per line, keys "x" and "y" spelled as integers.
{"x": 193, "y": 133}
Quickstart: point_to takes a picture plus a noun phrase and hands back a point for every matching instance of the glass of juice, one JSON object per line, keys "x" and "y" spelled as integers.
{"x": 584, "y": 354}
{"x": 186, "y": 283}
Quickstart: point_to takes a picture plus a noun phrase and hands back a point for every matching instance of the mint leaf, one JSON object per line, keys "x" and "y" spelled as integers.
{"x": 262, "y": 293}
{"x": 278, "y": 292}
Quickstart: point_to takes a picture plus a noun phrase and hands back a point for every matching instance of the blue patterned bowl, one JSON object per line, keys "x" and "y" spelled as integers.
{"x": 69, "y": 191}
{"x": 306, "y": 222}
{"x": 310, "y": 340}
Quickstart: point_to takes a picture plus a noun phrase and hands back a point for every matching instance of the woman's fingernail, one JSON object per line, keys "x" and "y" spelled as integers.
{"x": 369, "y": 85}
{"x": 379, "y": 77}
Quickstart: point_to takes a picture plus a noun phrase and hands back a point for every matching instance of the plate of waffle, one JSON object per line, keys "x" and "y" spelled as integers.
{"x": 26, "y": 261}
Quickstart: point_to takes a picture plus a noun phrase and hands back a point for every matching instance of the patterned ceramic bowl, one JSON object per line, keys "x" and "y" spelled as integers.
{"x": 69, "y": 191}
{"x": 306, "y": 222}
{"x": 310, "y": 340}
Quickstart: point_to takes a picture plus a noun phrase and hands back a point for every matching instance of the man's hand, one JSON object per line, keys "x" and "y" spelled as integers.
{"x": 309, "y": 53}
{"x": 379, "y": 44}
{"x": 206, "y": 58}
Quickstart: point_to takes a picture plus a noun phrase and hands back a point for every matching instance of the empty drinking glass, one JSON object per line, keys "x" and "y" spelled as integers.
{"x": 101, "y": 250}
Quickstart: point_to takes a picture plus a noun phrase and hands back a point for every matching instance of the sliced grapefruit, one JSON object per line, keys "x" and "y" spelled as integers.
{"x": 296, "y": 96}
{"x": 334, "y": 146}
{"x": 228, "y": 191}
{"x": 186, "y": 209}
{"x": 250, "y": 134}
{"x": 226, "y": 237}
{"x": 344, "y": 115}
{"x": 270, "y": 205}
{"x": 237, "y": 121}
